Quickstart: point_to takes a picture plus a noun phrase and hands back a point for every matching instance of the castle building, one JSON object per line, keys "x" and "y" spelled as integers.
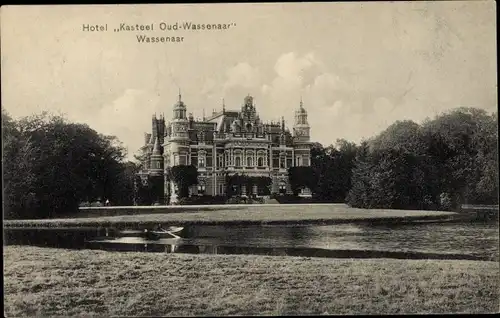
{"x": 226, "y": 143}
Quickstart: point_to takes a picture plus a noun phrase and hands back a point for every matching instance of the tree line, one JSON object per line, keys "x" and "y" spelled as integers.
{"x": 439, "y": 164}
{"x": 51, "y": 165}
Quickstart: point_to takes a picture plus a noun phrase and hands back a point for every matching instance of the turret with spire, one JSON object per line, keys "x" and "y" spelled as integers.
{"x": 156, "y": 157}
{"x": 301, "y": 128}
{"x": 179, "y": 109}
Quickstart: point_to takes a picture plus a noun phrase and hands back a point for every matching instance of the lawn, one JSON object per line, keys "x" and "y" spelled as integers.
{"x": 55, "y": 282}
{"x": 251, "y": 214}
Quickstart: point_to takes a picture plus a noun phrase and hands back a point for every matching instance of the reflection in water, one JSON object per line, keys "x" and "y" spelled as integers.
{"x": 431, "y": 240}
{"x": 473, "y": 239}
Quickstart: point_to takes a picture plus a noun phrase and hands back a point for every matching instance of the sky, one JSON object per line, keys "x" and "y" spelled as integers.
{"x": 358, "y": 67}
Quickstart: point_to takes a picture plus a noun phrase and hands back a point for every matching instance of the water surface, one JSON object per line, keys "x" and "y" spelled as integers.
{"x": 445, "y": 240}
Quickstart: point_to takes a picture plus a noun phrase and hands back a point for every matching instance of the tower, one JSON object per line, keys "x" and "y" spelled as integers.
{"x": 180, "y": 122}
{"x": 176, "y": 146}
{"x": 248, "y": 114}
{"x": 301, "y": 128}
{"x": 156, "y": 158}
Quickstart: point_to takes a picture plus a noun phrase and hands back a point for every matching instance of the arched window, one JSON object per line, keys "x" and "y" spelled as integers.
{"x": 250, "y": 161}
{"x": 260, "y": 162}
{"x": 238, "y": 155}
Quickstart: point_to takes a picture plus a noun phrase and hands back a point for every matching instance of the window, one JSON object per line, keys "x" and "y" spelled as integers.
{"x": 201, "y": 189}
{"x": 201, "y": 162}
{"x": 250, "y": 161}
{"x": 282, "y": 162}
{"x": 276, "y": 162}
{"x": 260, "y": 162}
{"x": 182, "y": 160}
{"x": 238, "y": 161}
{"x": 298, "y": 161}
{"x": 282, "y": 188}
{"x": 220, "y": 162}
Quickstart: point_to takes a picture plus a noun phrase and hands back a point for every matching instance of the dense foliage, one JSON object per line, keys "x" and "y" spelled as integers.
{"x": 235, "y": 182}
{"x": 50, "y": 166}
{"x": 301, "y": 177}
{"x": 183, "y": 176}
{"x": 333, "y": 169}
{"x": 445, "y": 162}
{"x": 150, "y": 191}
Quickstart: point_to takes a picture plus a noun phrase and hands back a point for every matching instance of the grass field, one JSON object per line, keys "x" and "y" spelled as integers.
{"x": 251, "y": 214}
{"x": 55, "y": 282}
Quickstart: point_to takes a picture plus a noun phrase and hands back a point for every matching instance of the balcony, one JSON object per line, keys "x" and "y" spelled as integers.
{"x": 220, "y": 136}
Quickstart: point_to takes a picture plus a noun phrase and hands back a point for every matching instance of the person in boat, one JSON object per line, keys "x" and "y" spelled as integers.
{"x": 158, "y": 228}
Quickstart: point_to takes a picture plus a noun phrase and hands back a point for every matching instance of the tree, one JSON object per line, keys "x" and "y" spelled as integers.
{"x": 301, "y": 177}
{"x": 470, "y": 164}
{"x": 183, "y": 176}
{"x": 402, "y": 136}
{"x": 18, "y": 185}
{"x": 333, "y": 168}
{"x": 360, "y": 194}
{"x": 52, "y": 165}
{"x": 447, "y": 161}
{"x": 235, "y": 182}
{"x": 123, "y": 191}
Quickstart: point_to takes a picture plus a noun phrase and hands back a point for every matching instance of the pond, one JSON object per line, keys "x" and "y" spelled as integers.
{"x": 416, "y": 240}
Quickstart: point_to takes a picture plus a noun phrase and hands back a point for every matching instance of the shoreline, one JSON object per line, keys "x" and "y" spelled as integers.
{"x": 298, "y": 214}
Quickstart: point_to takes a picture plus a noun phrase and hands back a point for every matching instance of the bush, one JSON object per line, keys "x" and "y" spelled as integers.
{"x": 202, "y": 200}
{"x": 291, "y": 199}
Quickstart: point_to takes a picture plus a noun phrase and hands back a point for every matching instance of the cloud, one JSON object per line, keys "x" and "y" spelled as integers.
{"x": 242, "y": 75}
{"x": 300, "y": 76}
{"x": 289, "y": 66}
{"x": 126, "y": 117}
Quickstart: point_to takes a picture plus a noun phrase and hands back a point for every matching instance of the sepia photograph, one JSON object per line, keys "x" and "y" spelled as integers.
{"x": 257, "y": 159}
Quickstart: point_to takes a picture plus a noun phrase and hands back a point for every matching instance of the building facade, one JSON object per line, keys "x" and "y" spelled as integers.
{"x": 226, "y": 143}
